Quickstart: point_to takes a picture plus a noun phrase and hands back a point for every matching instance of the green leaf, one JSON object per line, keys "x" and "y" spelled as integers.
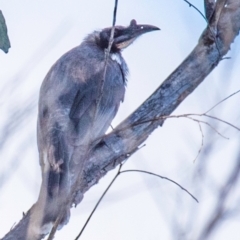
{"x": 4, "y": 40}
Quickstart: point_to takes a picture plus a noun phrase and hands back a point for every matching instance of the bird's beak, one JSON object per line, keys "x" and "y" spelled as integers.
{"x": 130, "y": 33}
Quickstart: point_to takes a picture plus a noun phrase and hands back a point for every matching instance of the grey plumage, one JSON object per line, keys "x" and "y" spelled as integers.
{"x": 70, "y": 119}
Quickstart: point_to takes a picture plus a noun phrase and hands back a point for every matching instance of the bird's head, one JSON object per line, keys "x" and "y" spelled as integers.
{"x": 123, "y": 36}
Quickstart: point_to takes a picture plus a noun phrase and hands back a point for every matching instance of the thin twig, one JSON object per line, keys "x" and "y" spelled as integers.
{"x": 166, "y": 178}
{"x": 99, "y": 201}
{"x": 187, "y": 115}
{"x": 191, "y": 5}
{"x": 200, "y": 149}
{"x": 209, "y": 125}
{"x": 226, "y": 98}
{"x": 219, "y": 119}
{"x": 111, "y": 183}
{"x": 210, "y": 28}
{"x": 107, "y": 54}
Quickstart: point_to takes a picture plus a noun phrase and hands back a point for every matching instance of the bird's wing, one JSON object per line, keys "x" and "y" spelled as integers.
{"x": 68, "y": 119}
{"x": 65, "y": 96}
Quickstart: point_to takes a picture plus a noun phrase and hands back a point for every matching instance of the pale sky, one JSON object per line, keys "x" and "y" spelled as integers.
{"x": 137, "y": 206}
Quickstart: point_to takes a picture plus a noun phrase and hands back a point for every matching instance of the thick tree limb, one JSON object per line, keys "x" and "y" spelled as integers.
{"x": 117, "y": 146}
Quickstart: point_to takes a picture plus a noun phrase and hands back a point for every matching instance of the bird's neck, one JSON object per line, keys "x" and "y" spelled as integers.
{"x": 95, "y": 40}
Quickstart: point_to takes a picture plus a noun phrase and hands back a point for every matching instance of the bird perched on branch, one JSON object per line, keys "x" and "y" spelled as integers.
{"x": 79, "y": 98}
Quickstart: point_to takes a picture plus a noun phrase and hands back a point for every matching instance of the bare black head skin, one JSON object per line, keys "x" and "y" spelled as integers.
{"x": 76, "y": 107}
{"x": 123, "y": 36}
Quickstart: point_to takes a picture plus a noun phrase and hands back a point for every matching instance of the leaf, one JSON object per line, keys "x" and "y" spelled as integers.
{"x": 4, "y": 40}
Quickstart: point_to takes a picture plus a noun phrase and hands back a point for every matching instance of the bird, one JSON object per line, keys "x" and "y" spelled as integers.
{"x": 78, "y": 100}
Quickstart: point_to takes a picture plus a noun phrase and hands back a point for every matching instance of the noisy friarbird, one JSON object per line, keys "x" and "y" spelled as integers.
{"x": 78, "y": 100}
